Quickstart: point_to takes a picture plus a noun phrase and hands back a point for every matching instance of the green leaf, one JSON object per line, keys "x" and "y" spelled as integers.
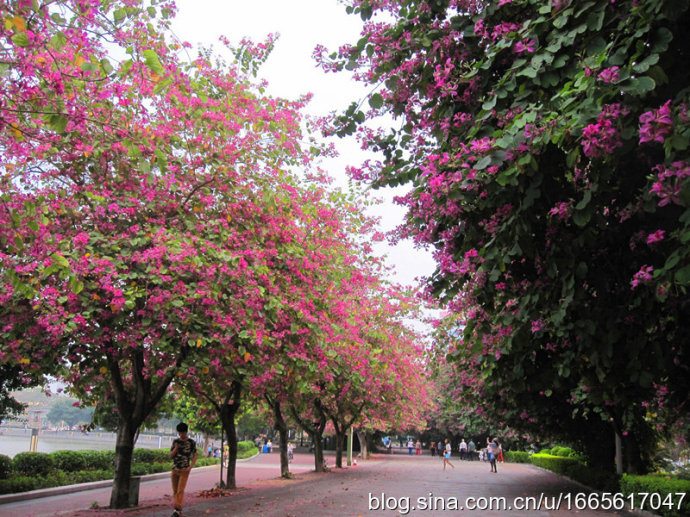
{"x": 106, "y": 66}
{"x": 376, "y": 101}
{"x": 683, "y": 276}
{"x": 58, "y": 123}
{"x": 483, "y": 163}
{"x": 153, "y": 62}
{"x": 585, "y": 200}
{"x": 646, "y": 63}
{"x": 581, "y": 218}
{"x": 77, "y": 285}
{"x": 119, "y": 15}
{"x": 21, "y": 39}
{"x": 58, "y": 40}
{"x": 60, "y": 260}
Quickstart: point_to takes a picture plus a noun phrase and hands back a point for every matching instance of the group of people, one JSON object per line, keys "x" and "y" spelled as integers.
{"x": 493, "y": 452}
{"x": 414, "y": 447}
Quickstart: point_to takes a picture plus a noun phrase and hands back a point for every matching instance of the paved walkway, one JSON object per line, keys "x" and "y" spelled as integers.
{"x": 395, "y": 484}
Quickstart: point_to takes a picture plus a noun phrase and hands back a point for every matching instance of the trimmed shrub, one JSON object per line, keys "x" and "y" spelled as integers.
{"x": 599, "y": 479}
{"x": 68, "y": 461}
{"x": 18, "y": 484}
{"x": 143, "y": 456}
{"x": 545, "y": 451}
{"x": 516, "y": 457}
{"x": 563, "y": 452}
{"x": 32, "y": 464}
{"x": 89, "y": 476}
{"x": 98, "y": 460}
{"x": 667, "y": 488}
{"x": 553, "y": 463}
{"x": 205, "y": 462}
{"x": 246, "y": 449}
{"x": 5, "y": 466}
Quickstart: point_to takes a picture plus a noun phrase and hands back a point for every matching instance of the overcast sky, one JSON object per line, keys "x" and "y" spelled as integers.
{"x": 291, "y": 72}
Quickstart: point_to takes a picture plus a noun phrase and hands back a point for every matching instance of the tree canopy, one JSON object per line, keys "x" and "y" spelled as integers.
{"x": 546, "y": 145}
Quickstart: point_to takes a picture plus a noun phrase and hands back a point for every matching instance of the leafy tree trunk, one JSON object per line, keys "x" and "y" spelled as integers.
{"x": 315, "y": 431}
{"x": 281, "y": 427}
{"x": 124, "y": 449}
{"x": 135, "y": 402}
{"x": 228, "y": 412}
{"x": 363, "y": 446}
{"x": 634, "y": 464}
{"x": 340, "y": 438}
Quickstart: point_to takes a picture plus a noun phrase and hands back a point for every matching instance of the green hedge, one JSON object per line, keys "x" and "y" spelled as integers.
{"x": 516, "y": 457}
{"x": 32, "y": 464}
{"x": 556, "y": 464}
{"x": 667, "y": 488}
{"x": 573, "y": 468}
{"x": 151, "y": 455}
{"x": 98, "y": 460}
{"x": 5, "y": 466}
{"x": 68, "y": 461}
{"x": 33, "y": 471}
{"x": 246, "y": 449}
{"x": 89, "y": 476}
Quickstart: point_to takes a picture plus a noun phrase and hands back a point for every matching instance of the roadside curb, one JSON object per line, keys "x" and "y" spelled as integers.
{"x": 81, "y": 487}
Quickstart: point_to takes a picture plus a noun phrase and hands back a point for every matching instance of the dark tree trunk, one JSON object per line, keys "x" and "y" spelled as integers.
{"x": 634, "y": 464}
{"x": 317, "y": 439}
{"x": 134, "y": 404}
{"x": 281, "y": 427}
{"x": 124, "y": 449}
{"x": 228, "y": 412}
{"x": 315, "y": 432}
{"x": 340, "y": 438}
{"x": 363, "y": 445}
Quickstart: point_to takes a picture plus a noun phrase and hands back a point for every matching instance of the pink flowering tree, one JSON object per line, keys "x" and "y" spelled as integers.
{"x": 126, "y": 174}
{"x": 545, "y": 145}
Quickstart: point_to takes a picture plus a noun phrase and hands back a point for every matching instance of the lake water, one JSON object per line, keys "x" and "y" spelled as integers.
{"x": 13, "y": 441}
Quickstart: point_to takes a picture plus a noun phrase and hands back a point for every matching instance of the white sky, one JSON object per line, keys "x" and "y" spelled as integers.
{"x": 291, "y": 72}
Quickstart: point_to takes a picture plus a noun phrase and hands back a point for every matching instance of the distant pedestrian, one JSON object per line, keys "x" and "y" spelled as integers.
{"x": 492, "y": 451}
{"x": 290, "y": 451}
{"x": 418, "y": 446}
{"x": 439, "y": 446}
{"x": 500, "y": 452}
{"x": 463, "y": 449}
{"x": 446, "y": 456}
{"x": 410, "y": 446}
{"x": 470, "y": 449}
{"x": 433, "y": 449}
{"x": 183, "y": 454}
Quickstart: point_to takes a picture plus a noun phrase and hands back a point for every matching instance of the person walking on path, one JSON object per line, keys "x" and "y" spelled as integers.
{"x": 463, "y": 449}
{"x": 433, "y": 449}
{"x": 492, "y": 451}
{"x": 410, "y": 446}
{"x": 183, "y": 454}
{"x": 470, "y": 448}
{"x": 418, "y": 447}
{"x": 446, "y": 456}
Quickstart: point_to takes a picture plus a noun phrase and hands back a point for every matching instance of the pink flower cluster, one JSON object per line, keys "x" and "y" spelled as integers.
{"x": 609, "y": 75}
{"x": 669, "y": 182}
{"x": 604, "y": 136}
{"x": 656, "y": 125}
{"x": 643, "y": 276}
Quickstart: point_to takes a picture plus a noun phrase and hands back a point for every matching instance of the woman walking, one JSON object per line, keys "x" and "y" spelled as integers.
{"x": 446, "y": 456}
